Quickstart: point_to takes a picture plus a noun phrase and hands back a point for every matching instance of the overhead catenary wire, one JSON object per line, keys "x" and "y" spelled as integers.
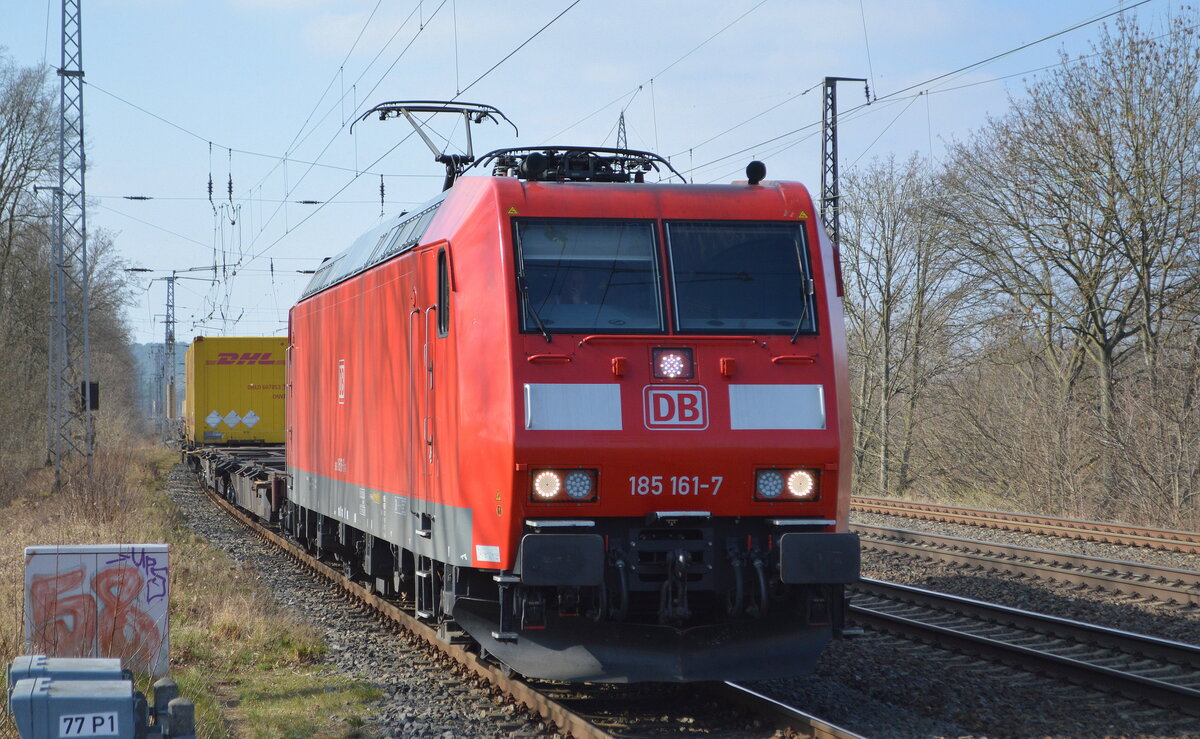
{"x": 867, "y": 44}
{"x": 248, "y": 199}
{"x": 478, "y": 79}
{"x": 473, "y": 83}
{"x": 454, "y": 15}
{"x": 520, "y": 46}
{"x": 155, "y": 226}
{"x": 236, "y": 150}
{"x": 661, "y": 72}
{"x": 885, "y": 130}
{"x": 288, "y": 190}
{"x": 46, "y": 45}
{"x": 630, "y": 99}
{"x": 859, "y": 111}
{"x": 339, "y": 104}
{"x": 337, "y": 76}
{"x": 752, "y": 118}
{"x": 936, "y": 78}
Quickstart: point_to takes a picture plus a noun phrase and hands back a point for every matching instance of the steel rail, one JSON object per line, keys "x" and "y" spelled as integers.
{"x": 1067, "y": 647}
{"x": 1113, "y": 533}
{"x": 803, "y": 724}
{"x": 1155, "y": 581}
{"x": 570, "y": 722}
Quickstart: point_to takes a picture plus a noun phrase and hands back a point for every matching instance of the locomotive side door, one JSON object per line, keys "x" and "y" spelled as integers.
{"x": 422, "y": 320}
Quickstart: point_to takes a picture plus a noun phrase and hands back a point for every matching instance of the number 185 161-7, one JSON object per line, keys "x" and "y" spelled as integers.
{"x": 674, "y": 485}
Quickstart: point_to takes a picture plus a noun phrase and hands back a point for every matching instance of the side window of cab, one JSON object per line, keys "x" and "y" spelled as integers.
{"x": 443, "y": 294}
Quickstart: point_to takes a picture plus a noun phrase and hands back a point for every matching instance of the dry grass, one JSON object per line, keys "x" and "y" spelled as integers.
{"x": 229, "y": 642}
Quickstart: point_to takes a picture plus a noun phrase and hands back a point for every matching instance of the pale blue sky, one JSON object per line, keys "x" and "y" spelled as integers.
{"x": 267, "y": 78}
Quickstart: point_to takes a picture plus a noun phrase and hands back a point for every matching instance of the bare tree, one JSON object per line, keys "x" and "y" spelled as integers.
{"x": 904, "y": 299}
{"x": 28, "y": 156}
{"x": 1080, "y": 210}
{"x": 28, "y": 150}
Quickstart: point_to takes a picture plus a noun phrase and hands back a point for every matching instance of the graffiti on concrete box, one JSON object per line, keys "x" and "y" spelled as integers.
{"x": 99, "y": 601}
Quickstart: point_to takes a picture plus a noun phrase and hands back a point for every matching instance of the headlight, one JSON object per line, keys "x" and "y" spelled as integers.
{"x": 802, "y": 484}
{"x": 770, "y": 484}
{"x": 786, "y": 484}
{"x": 579, "y": 485}
{"x": 570, "y": 486}
{"x": 547, "y": 484}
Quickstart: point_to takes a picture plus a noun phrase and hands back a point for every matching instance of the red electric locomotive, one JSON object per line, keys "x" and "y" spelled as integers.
{"x": 600, "y": 425}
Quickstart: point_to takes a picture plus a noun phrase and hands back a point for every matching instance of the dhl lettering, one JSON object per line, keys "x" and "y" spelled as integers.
{"x": 244, "y": 358}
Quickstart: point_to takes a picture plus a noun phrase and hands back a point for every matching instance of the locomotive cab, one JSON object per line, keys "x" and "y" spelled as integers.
{"x": 678, "y": 439}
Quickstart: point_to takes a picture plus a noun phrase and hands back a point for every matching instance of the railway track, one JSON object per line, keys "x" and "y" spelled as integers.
{"x": 581, "y": 711}
{"x": 1112, "y": 533}
{"x": 1152, "y": 581}
{"x": 1162, "y": 673}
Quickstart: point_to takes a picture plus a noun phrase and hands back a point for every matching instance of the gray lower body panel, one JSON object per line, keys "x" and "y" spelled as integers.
{"x": 392, "y": 517}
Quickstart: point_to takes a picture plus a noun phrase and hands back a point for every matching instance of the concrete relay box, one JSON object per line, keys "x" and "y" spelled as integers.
{"x": 65, "y": 668}
{"x": 45, "y": 708}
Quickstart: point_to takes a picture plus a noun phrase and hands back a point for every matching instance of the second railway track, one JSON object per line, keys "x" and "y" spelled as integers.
{"x": 1112, "y": 533}
{"x": 1162, "y": 673}
{"x": 1147, "y": 580}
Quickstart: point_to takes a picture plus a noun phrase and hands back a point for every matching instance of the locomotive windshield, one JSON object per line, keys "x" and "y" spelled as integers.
{"x": 740, "y": 277}
{"x": 588, "y": 276}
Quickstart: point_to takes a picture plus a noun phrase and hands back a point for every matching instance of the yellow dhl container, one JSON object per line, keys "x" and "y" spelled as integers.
{"x": 234, "y": 391}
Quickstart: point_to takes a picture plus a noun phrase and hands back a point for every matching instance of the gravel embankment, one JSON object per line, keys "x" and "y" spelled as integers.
{"x": 884, "y": 687}
{"x": 877, "y": 685}
{"x": 423, "y": 698}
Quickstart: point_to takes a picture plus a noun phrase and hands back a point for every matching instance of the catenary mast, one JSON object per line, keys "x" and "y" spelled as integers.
{"x": 73, "y": 396}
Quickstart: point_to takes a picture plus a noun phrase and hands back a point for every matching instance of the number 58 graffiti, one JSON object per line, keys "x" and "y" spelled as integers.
{"x": 104, "y": 622}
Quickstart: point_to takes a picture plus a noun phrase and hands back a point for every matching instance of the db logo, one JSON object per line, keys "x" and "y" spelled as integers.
{"x": 675, "y": 407}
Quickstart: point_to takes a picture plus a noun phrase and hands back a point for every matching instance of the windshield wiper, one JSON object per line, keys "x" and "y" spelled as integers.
{"x": 523, "y": 286}
{"x": 803, "y": 311}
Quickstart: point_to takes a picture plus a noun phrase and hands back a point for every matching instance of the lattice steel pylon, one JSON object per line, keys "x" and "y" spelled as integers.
{"x": 168, "y": 368}
{"x": 829, "y": 157}
{"x": 71, "y": 431}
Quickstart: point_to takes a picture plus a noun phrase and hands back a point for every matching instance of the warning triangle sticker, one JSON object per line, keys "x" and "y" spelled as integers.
{"x": 512, "y": 211}
{"x": 803, "y": 216}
